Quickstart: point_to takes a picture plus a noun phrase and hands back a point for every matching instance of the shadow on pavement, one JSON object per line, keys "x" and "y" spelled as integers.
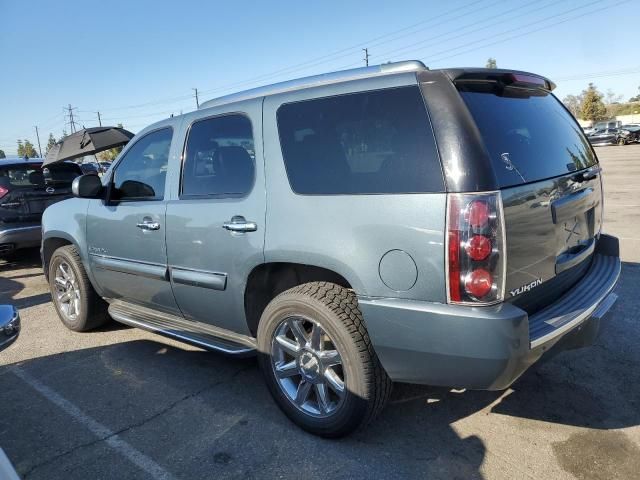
{"x": 21, "y": 259}
{"x": 19, "y": 265}
{"x": 203, "y": 415}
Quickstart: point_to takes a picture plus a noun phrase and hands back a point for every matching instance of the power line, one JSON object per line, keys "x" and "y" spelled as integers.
{"x": 521, "y": 33}
{"x": 380, "y": 40}
{"x": 329, "y": 57}
{"x": 372, "y": 42}
{"x": 610, "y": 73}
{"x": 409, "y": 47}
{"x": 309, "y": 63}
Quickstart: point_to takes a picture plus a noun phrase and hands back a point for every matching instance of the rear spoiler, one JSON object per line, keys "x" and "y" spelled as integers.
{"x": 504, "y": 77}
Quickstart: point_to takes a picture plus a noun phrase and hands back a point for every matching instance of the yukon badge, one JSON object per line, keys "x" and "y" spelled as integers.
{"x": 526, "y": 288}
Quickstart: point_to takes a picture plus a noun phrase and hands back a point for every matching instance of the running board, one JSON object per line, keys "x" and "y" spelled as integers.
{"x": 195, "y": 333}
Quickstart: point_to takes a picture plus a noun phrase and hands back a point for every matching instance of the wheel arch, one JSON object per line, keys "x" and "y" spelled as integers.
{"x": 49, "y": 245}
{"x": 268, "y": 280}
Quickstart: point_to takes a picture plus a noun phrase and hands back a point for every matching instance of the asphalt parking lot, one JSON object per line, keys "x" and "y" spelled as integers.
{"x": 123, "y": 403}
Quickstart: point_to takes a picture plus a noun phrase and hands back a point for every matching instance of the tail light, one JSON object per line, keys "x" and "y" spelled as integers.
{"x": 476, "y": 257}
{"x": 3, "y": 191}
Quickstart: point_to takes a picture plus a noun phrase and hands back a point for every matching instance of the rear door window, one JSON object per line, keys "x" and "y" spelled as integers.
{"x": 219, "y": 157}
{"x": 372, "y": 142}
{"x": 528, "y": 133}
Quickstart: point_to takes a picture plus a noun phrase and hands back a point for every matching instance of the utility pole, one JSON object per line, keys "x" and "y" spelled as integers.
{"x": 38, "y": 137}
{"x": 72, "y": 124}
{"x": 99, "y": 119}
{"x": 366, "y": 56}
{"x": 196, "y": 95}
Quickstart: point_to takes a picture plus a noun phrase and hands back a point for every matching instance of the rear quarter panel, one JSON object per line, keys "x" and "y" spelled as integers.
{"x": 349, "y": 234}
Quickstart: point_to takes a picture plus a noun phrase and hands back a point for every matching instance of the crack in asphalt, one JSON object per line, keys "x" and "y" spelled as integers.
{"x": 135, "y": 425}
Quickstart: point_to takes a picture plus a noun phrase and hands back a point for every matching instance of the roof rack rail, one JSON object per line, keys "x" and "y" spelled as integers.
{"x": 317, "y": 80}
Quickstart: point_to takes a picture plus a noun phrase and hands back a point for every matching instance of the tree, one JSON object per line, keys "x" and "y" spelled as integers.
{"x": 25, "y": 149}
{"x": 573, "y": 104}
{"x": 491, "y": 63}
{"x": 51, "y": 142}
{"x": 29, "y": 149}
{"x": 592, "y": 106}
{"x": 111, "y": 154}
{"x": 612, "y": 101}
{"x": 636, "y": 98}
{"x": 2, "y": 155}
{"x": 611, "y": 98}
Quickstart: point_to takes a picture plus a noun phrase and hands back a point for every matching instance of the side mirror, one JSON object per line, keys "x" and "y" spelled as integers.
{"x": 87, "y": 186}
{"x": 9, "y": 325}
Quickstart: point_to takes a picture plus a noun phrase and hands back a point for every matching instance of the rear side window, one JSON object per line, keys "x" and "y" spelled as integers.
{"x": 219, "y": 157}
{"x": 25, "y": 175}
{"x": 528, "y": 133}
{"x": 373, "y": 142}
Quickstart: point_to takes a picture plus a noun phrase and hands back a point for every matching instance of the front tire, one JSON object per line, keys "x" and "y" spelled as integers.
{"x": 318, "y": 360}
{"x": 78, "y": 305}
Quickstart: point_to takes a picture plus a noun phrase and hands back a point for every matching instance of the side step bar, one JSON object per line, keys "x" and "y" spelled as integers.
{"x": 195, "y": 333}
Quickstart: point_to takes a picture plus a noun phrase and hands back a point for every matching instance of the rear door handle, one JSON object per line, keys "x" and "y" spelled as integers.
{"x": 147, "y": 225}
{"x": 239, "y": 224}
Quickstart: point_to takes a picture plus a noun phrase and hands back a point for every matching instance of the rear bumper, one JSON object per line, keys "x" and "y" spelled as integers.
{"x": 23, "y": 236}
{"x": 487, "y": 348}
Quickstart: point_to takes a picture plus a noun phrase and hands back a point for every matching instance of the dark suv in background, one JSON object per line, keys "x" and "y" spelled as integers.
{"x": 26, "y": 189}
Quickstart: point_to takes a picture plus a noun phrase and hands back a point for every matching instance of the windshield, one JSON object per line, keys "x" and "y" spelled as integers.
{"x": 528, "y": 133}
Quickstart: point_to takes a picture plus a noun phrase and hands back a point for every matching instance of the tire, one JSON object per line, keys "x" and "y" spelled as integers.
{"x": 621, "y": 141}
{"x": 85, "y": 309}
{"x": 329, "y": 320}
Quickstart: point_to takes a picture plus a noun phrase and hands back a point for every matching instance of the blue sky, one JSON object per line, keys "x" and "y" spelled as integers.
{"x": 136, "y": 61}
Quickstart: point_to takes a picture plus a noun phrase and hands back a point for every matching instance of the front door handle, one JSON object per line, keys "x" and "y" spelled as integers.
{"x": 148, "y": 225}
{"x": 239, "y": 224}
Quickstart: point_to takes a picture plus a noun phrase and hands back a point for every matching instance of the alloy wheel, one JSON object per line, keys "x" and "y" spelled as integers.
{"x": 67, "y": 291}
{"x": 308, "y": 366}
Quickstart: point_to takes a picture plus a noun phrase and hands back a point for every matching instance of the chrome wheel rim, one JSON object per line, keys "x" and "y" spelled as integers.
{"x": 308, "y": 367}
{"x": 66, "y": 291}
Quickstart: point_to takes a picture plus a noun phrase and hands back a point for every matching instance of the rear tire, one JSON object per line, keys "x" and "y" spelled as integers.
{"x": 318, "y": 360}
{"x": 78, "y": 305}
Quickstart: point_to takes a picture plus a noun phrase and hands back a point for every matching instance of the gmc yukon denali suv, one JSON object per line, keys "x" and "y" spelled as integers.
{"x": 354, "y": 229}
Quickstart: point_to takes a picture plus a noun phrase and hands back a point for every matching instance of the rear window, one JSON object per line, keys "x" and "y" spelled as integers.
{"x": 364, "y": 143}
{"x": 62, "y": 173}
{"x": 21, "y": 175}
{"x": 528, "y": 133}
{"x": 33, "y": 175}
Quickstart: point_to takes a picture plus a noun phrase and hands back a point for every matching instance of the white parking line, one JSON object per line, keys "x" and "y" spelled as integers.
{"x": 113, "y": 440}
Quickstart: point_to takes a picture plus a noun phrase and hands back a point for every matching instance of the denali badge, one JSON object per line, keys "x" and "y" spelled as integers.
{"x": 526, "y": 288}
